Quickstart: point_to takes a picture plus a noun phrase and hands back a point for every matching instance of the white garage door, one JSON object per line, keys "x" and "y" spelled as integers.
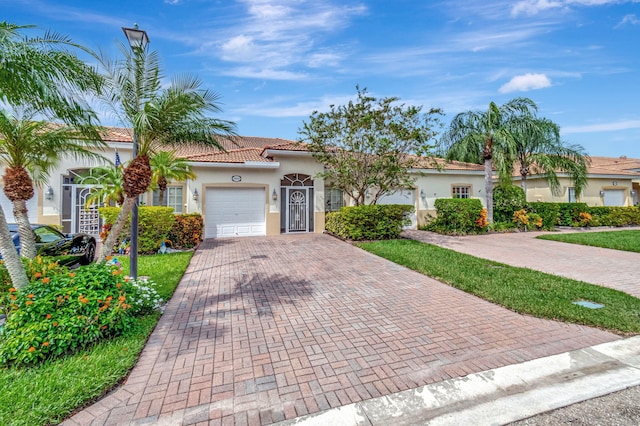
{"x": 614, "y": 197}
{"x": 235, "y": 212}
{"x": 7, "y": 207}
{"x": 402, "y": 197}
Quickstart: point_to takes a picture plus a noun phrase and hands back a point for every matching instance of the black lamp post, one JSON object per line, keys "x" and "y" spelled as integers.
{"x": 138, "y": 41}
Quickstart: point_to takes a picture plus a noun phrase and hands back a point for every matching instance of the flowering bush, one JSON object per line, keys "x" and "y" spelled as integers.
{"x": 584, "y": 219}
{"x": 483, "y": 221}
{"x": 61, "y": 311}
{"x": 143, "y": 296}
{"x": 526, "y": 221}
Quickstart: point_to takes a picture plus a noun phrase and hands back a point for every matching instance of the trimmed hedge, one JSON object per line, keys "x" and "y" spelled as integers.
{"x": 614, "y": 216}
{"x": 154, "y": 224}
{"x": 458, "y": 216}
{"x": 368, "y": 222}
{"x": 549, "y": 212}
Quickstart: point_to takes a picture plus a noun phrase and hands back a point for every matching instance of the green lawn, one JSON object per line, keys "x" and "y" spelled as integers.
{"x": 519, "y": 289}
{"x": 617, "y": 240}
{"x": 49, "y": 392}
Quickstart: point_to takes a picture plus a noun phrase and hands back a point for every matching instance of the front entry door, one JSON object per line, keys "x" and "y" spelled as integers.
{"x": 297, "y": 209}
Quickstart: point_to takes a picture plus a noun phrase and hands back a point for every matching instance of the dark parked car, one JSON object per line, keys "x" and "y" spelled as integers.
{"x": 66, "y": 249}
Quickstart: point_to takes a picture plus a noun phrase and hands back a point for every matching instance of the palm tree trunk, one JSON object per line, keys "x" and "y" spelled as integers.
{"x": 10, "y": 255}
{"x": 116, "y": 229}
{"x": 488, "y": 187}
{"x": 27, "y": 239}
{"x": 160, "y": 196}
{"x": 523, "y": 184}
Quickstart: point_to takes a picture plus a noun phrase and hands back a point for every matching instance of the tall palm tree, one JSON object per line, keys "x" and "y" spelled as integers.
{"x": 158, "y": 117}
{"x": 30, "y": 150}
{"x": 539, "y": 150}
{"x": 484, "y": 136}
{"x": 109, "y": 185}
{"x": 166, "y": 167}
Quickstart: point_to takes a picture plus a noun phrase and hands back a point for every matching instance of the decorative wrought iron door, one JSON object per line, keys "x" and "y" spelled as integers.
{"x": 297, "y": 220}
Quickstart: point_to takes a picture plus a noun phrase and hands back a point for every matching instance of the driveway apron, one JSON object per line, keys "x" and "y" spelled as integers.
{"x": 270, "y": 328}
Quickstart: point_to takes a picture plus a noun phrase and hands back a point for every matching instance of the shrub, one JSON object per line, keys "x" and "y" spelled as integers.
{"x": 187, "y": 231}
{"x": 527, "y": 221}
{"x": 459, "y": 216}
{"x": 154, "y": 224}
{"x": 615, "y": 216}
{"x": 506, "y": 200}
{"x": 369, "y": 222}
{"x": 569, "y": 213}
{"x": 549, "y": 212}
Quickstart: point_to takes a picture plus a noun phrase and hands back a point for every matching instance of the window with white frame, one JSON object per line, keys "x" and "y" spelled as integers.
{"x": 334, "y": 199}
{"x": 571, "y": 195}
{"x": 461, "y": 191}
{"x": 172, "y": 198}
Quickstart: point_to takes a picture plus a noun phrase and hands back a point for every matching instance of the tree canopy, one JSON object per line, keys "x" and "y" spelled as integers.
{"x": 370, "y": 145}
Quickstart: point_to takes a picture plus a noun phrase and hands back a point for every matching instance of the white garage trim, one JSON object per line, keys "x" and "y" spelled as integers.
{"x": 235, "y": 212}
{"x": 403, "y": 196}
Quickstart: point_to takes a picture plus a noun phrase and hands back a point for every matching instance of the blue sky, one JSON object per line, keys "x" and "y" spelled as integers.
{"x": 276, "y": 61}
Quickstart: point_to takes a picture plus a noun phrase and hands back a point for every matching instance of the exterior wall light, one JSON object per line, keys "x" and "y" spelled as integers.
{"x": 195, "y": 195}
{"x": 601, "y": 193}
{"x": 49, "y": 194}
{"x": 274, "y": 195}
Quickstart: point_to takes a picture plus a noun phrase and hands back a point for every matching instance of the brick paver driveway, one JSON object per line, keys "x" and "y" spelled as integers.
{"x": 270, "y": 328}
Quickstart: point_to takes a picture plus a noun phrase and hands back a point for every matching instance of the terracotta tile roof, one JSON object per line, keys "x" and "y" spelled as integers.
{"x": 236, "y": 156}
{"x": 116, "y": 134}
{"x": 427, "y": 163}
{"x": 288, "y": 146}
{"x": 615, "y": 163}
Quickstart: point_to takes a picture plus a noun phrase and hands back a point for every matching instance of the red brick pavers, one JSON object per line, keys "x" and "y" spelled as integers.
{"x": 609, "y": 268}
{"x": 271, "y": 328}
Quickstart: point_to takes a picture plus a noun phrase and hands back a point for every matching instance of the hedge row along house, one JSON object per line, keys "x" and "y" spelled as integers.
{"x": 268, "y": 186}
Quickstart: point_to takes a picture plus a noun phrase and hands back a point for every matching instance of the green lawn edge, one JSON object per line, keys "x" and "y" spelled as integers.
{"x": 519, "y": 289}
{"x": 616, "y": 240}
{"x": 50, "y": 392}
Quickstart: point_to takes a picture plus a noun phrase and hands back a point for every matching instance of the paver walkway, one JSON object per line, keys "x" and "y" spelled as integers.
{"x": 606, "y": 267}
{"x": 271, "y": 328}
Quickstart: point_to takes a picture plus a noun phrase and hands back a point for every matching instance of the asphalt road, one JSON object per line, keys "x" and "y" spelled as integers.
{"x": 616, "y": 409}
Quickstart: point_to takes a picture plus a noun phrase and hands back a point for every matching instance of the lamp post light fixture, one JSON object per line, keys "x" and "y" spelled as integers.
{"x": 138, "y": 41}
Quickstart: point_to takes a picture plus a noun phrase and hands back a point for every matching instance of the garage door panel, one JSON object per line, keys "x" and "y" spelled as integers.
{"x": 614, "y": 197}
{"x": 235, "y": 212}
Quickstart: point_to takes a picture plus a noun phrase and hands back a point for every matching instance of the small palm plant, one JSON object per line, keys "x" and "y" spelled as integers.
{"x": 165, "y": 168}
{"x": 108, "y": 185}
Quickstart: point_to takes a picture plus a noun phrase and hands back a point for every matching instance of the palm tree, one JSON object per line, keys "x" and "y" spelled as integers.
{"x": 166, "y": 167}
{"x": 483, "y": 136}
{"x": 158, "y": 116}
{"x": 539, "y": 150}
{"x": 30, "y": 149}
{"x": 109, "y": 185}
{"x": 44, "y": 73}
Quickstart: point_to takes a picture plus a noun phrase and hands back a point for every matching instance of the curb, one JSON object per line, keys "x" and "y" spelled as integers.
{"x": 501, "y": 395}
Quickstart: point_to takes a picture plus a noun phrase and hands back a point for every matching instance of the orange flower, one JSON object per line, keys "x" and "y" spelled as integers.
{"x": 45, "y": 344}
{"x": 31, "y": 349}
{"x": 37, "y": 275}
{"x": 13, "y": 296}
{"x": 122, "y": 298}
{"x": 46, "y": 280}
{"x": 116, "y": 272}
{"x": 12, "y": 290}
{"x": 108, "y": 258}
{"x": 48, "y": 316}
{"x": 55, "y": 323}
{"x": 127, "y": 279}
{"x": 30, "y": 296}
{"x": 119, "y": 285}
{"x": 29, "y": 302}
{"x": 72, "y": 274}
{"x": 104, "y": 327}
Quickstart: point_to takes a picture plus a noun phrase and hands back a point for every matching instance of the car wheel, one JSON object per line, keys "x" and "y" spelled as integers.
{"x": 89, "y": 254}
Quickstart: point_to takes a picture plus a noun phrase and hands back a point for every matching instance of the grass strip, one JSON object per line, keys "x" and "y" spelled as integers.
{"x": 519, "y": 289}
{"x": 617, "y": 240}
{"x": 47, "y": 393}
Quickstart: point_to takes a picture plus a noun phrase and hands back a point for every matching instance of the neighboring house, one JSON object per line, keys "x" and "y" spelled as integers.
{"x": 611, "y": 182}
{"x": 259, "y": 186}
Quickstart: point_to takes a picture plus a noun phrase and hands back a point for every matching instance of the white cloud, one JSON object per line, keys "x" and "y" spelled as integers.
{"x": 533, "y": 7}
{"x": 526, "y": 82}
{"x": 174, "y": 2}
{"x": 603, "y": 127}
{"x": 628, "y": 19}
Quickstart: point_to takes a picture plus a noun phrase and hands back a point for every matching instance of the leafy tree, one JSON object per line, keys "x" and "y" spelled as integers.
{"x": 484, "y": 136}
{"x": 109, "y": 185}
{"x": 30, "y": 150}
{"x": 166, "y": 167}
{"x": 370, "y": 145}
{"x": 539, "y": 150}
{"x": 158, "y": 116}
